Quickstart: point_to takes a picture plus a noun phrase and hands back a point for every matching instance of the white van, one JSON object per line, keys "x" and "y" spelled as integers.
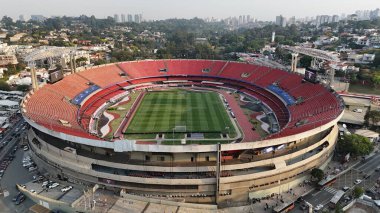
{"x": 358, "y": 110}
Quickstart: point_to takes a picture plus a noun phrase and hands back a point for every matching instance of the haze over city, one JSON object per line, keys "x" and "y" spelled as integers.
{"x": 163, "y": 9}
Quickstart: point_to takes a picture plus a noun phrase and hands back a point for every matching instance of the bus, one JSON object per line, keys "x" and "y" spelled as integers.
{"x": 334, "y": 200}
{"x": 328, "y": 181}
{"x": 286, "y": 207}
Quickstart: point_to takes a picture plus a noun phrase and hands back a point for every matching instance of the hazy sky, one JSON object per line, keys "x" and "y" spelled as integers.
{"x": 162, "y": 9}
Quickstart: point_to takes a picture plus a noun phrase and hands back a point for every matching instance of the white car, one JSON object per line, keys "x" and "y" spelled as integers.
{"x": 33, "y": 191}
{"x": 67, "y": 188}
{"x": 27, "y": 158}
{"x": 45, "y": 183}
{"x": 26, "y": 148}
{"x": 357, "y": 181}
{"x": 27, "y": 164}
{"x": 52, "y": 186}
{"x": 318, "y": 207}
{"x": 31, "y": 169}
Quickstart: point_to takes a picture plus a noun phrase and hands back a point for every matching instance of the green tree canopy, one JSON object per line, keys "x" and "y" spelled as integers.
{"x": 376, "y": 79}
{"x": 4, "y": 86}
{"x": 358, "y": 191}
{"x": 354, "y": 144}
{"x": 317, "y": 173}
{"x": 22, "y": 88}
{"x": 372, "y": 117}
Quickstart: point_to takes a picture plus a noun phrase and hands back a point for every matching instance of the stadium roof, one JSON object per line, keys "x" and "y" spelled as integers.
{"x": 48, "y": 52}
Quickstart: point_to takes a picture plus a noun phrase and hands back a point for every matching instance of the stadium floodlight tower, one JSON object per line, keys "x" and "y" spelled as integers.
{"x": 315, "y": 54}
{"x": 32, "y": 66}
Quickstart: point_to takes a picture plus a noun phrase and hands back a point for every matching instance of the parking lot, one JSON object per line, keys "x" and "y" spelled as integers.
{"x": 15, "y": 173}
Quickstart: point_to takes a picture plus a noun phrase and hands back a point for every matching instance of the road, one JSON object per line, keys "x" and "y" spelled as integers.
{"x": 7, "y": 136}
{"x": 363, "y": 168}
{"x": 15, "y": 173}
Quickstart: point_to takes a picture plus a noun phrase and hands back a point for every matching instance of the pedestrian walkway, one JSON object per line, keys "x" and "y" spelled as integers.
{"x": 330, "y": 190}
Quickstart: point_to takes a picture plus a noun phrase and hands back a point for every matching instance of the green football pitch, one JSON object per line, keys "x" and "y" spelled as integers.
{"x": 163, "y": 111}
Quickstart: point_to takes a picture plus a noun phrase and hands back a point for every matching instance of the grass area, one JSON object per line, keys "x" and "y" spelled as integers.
{"x": 161, "y": 111}
{"x": 121, "y": 110}
{"x": 357, "y": 88}
{"x": 175, "y": 135}
{"x": 141, "y": 136}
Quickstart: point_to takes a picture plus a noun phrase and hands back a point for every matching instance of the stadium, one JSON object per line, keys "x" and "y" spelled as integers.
{"x": 194, "y": 131}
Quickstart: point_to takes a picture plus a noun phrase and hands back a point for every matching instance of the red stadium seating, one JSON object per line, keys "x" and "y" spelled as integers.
{"x": 71, "y": 86}
{"x": 104, "y": 75}
{"x": 51, "y": 103}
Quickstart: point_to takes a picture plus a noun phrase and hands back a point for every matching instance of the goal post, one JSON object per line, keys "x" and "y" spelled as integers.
{"x": 179, "y": 129}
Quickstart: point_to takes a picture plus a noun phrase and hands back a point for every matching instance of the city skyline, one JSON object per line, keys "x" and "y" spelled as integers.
{"x": 164, "y": 9}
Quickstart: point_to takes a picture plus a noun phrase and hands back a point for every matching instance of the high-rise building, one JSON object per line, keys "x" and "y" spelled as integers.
{"x": 123, "y": 18}
{"x": 281, "y": 21}
{"x": 248, "y": 18}
{"x": 38, "y": 18}
{"x": 292, "y": 20}
{"x": 375, "y": 14}
{"x": 137, "y": 18}
{"x": 335, "y": 18}
{"x": 140, "y": 18}
{"x": 21, "y": 18}
{"x": 130, "y": 18}
{"x": 116, "y": 18}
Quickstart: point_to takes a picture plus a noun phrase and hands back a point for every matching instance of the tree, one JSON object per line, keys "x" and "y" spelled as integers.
{"x": 4, "y": 86}
{"x": 358, "y": 191}
{"x": 317, "y": 173}
{"x": 372, "y": 117}
{"x": 376, "y": 79}
{"x": 338, "y": 208}
{"x": 305, "y": 61}
{"x": 354, "y": 144}
{"x": 79, "y": 61}
{"x": 23, "y": 88}
{"x": 7, "y": 21}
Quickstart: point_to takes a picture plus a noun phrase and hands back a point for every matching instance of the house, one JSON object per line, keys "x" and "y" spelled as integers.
{"x": 17, "y": 37}
{"x": 368, "y": 58}
{"x": 361, "y": 58}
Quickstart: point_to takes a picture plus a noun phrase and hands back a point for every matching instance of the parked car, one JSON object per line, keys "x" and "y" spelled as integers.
{"x": 46, "y": 183}
{"x": 318, "y": 207}
{"x": 357, "y": 181}
{"x": 32, "y": 168}
{"x": 20, "y": 200}
{"x": 67, "y": 188}
{"x": 26, "y": 148}
{"x": 15, "y": 198}
{"x": 52, "y": 186}
{"x": 345, "y": 188}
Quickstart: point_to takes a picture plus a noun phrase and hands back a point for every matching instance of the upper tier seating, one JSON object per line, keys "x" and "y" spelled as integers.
{"x": 50, "y": 107}
{"x": 104, "y": 75}
{"x": 70, "y": 86}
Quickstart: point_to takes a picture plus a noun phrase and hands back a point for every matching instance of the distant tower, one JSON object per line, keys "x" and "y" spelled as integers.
{"x": 116, "y": 18}
{"x": 21, "y": 18}
{"x": 273, "y": 36}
